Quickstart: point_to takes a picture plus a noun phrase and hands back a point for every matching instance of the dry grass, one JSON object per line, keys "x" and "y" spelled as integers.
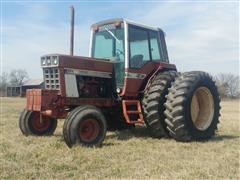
{"x": 127, "y": 154}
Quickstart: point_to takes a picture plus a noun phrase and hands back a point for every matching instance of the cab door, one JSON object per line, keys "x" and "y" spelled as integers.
{"x": 144, "y": 58}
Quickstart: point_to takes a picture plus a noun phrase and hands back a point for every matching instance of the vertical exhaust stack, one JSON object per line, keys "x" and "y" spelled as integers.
{"x": 72, "y": 31}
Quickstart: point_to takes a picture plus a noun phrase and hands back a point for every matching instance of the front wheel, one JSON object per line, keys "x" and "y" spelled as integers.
{"x": 30, "y": 123}
{"x": 192, "y": 107}
{"x": 85, "y": 125}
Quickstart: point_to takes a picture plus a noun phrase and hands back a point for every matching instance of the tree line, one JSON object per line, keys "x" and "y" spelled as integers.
{"x": 228, "y": 84}
{"x": 16, "y": 77}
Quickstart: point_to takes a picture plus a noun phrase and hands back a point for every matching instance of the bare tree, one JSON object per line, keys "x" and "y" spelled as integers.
{"x": 3, "y": 83}
{"x": 18, "y": 76}
{"x": 228, "y": 85}
{"x": 4, "y": 79}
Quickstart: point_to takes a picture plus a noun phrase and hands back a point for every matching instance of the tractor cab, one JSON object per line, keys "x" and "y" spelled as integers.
{"x": 129, "y": 46}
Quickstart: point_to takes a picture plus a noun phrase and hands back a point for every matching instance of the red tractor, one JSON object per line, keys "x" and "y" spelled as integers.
{"x": 126, "y": 80}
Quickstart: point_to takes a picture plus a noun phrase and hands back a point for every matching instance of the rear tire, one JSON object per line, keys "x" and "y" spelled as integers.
{"x": 85, "y": 125}
{"x": 153, "y": 103}
{"x": 30, "y": 124}
{"x": 192, "y": 107}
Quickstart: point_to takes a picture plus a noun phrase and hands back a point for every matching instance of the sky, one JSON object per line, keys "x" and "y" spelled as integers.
{"x": 200, "y": 35}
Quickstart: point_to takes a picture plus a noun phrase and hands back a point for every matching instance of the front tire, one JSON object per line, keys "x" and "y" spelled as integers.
{"x": 192, "y": 107}
{"x": 85, "y": 125}
{"x": 30, "y": 124}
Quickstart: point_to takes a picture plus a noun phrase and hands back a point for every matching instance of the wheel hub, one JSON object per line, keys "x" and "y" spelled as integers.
{"x": 89, "y": 130}
{"x": 40, "y": 125}
{"x": 202, "y": 108}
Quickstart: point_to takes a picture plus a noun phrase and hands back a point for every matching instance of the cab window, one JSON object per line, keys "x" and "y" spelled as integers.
{"x": 144, "y": 46}
{"x": 138, "y": 47}
{"x": 154, "y": 44}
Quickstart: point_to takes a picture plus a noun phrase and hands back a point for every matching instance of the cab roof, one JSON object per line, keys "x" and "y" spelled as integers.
{"x": 116, "y": 20}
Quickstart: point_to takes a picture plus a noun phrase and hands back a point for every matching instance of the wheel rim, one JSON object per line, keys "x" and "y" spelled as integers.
{"x": 89, "y": 130}
{"x": 202, "y": 108}
{"x": 40, "y": 126}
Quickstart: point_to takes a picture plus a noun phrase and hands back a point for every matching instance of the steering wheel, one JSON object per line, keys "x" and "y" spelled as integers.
{"x": 119, "y": 51}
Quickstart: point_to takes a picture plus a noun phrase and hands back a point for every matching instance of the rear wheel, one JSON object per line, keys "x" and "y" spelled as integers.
{"x": 31, "y": 124}
{"x": 153, "y": 103}
{"x": 85, "y": 125}
{"x": 192, "y": 107}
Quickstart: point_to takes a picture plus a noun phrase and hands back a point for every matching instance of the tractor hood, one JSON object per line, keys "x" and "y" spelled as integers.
{"x": 85, "y": 65}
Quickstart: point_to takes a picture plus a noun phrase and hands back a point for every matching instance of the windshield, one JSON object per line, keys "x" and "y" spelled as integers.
{"x": 108, "y": 43}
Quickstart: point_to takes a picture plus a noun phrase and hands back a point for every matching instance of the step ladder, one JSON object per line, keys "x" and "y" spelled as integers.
{"x": 132, "y": 111}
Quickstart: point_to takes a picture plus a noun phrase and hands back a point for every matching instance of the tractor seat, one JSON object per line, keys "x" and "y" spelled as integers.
{"x": 136, "y": 61}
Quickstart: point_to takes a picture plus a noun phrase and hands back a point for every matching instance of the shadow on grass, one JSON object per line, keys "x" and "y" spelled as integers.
{"x": 140, "y": 132}
{"x": 58, "y": 135}
{"x": 223, "y": 137}
{"x": 143, "y": 132}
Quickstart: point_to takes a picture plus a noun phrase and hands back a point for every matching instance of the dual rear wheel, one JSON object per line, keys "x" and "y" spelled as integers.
{"x": 192, "y": 107}
{"x": 183, "y": 106}
{"x": 153, "y": 103}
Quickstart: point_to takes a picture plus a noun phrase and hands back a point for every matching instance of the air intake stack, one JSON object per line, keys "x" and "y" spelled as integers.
{"x": 72, "y": 31}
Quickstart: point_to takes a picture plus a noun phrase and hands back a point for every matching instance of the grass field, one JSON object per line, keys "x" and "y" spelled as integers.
{"x": 126, "y": 154}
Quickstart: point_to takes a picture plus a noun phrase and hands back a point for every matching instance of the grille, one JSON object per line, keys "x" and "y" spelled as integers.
{"x": 51, "y": 78}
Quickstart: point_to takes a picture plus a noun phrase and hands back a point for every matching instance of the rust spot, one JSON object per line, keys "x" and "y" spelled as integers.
{"x": 89, "y": 64}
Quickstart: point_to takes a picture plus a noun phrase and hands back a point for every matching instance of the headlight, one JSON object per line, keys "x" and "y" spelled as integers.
{"x": 54, "y": 60}
{"x": 43, "y": 61}
{"x": 49, "y": 61}
{"x": 119, "y": 90}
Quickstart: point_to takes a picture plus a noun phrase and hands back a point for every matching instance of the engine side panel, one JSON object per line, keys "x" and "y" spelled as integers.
{"x": 71, "y": 85}
{"x": 88, "y": 84}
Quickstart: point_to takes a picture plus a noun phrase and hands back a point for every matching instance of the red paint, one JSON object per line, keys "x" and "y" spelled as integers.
{"x": 40, "y": 125}
{"x": 132, "y": 86}
{"x": 40, "y": 99}
{"x": 100, "y": 102}
{"x": 127, "y": 113}
{"x": 82, "y": 63}
{"x": 89, "y": 130}
{"x": 46, "y": 101}
{"x": 85, "y": 63}
{"x": 53, "y": 103}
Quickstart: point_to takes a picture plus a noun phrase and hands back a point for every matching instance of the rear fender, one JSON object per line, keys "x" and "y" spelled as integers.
{"x": 163, "y": 67}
